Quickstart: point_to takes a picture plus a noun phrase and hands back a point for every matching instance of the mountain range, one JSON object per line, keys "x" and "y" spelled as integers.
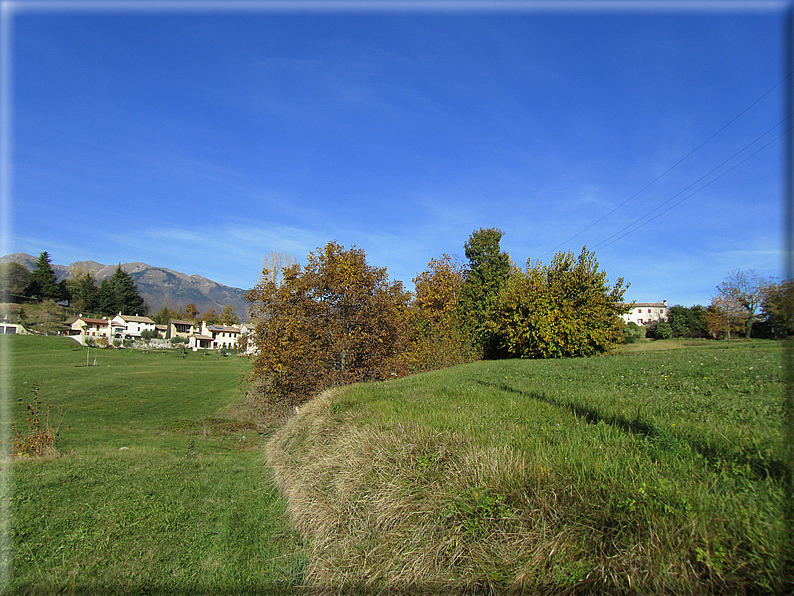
{"x": 158, "y": 286}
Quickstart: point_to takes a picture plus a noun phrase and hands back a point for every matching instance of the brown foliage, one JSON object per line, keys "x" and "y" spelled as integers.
{"x": 337, "y": 321}
{"x": 438, "y": 339}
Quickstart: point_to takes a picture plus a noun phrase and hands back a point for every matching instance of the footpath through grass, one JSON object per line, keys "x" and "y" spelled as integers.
{"x": 653, "y": 471}
{"x": 161, "y": 485}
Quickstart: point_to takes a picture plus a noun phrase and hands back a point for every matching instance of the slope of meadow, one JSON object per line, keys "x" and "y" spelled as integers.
{"x": 652, "y": 471}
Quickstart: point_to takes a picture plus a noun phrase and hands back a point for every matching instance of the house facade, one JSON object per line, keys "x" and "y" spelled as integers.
{"x": 182, "y": 328}
{"x": 125, "y": 327}
{"x": 85, "y": 327}
{"x": 119, "y": 327}
{"x": 643, "y": 313}
{"x": 7, "y": 328}
{"x": 130, "y": 327}
{"x": 216, "y": 337}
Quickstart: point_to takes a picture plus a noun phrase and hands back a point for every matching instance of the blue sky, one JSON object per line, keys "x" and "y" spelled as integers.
{"x": 201, "y": 140}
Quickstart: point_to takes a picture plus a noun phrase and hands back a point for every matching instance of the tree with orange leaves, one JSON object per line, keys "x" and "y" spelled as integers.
{"x": 334, "y": 322}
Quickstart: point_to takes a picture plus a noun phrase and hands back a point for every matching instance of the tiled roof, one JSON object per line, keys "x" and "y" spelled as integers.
{"x": 135, "y": 319}
{"x": 93, "y": 321}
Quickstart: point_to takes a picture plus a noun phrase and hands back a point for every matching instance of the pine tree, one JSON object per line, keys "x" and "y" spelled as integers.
{"x": 43, "y": 281}
{"x": 119, "y": 294}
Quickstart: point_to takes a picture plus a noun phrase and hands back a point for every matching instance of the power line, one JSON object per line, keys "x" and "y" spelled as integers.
{"x": 604, "y": 243}
{"x": 676, "y": 164}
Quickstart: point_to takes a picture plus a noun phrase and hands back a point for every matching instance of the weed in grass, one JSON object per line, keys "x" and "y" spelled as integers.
{"x": 39, "y": 440}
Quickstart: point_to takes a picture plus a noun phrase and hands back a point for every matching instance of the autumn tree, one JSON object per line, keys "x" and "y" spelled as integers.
{"x": 229, "y": 315}
{"x": 211, "y": 317}
{"x": 336, "y": 321}
{"x": 558, "y": 310}
{"x": 273, "y": 266}
{"x": 778, "y": 307}
{"x": 724, "y": 318}
{"x": 437, "y": 339}
{"x": 487, "y": 271}
{"x": 742, "y": 294}
{"x": 191, "y": 312}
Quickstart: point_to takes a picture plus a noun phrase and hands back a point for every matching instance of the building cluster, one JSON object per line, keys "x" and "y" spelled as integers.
{"x": 196, "y": 334}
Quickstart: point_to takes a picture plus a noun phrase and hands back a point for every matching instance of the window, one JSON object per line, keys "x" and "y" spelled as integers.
{"x": 639, "y": 321}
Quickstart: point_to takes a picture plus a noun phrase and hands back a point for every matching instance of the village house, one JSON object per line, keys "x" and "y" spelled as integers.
{"x": 120, "y": 327}
{"x": 182, "y": 328}
{"x": 85, "y": 327}
{"x": 643, "y": 313}
{"x": 221, "y": 337}
{"x": 130, "y": 326}
{"x": 7, "y": 328}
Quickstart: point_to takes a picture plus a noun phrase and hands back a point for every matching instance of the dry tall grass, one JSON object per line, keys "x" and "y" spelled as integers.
{"x": 407, "y": 509}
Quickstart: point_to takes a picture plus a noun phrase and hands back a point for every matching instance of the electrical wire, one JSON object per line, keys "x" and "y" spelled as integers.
{"x": 676, "y": 164}
{"x": 604, "y": 242}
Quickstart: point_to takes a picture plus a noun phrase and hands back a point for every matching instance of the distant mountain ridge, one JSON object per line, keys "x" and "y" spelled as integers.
{"x": 158, "y": 286}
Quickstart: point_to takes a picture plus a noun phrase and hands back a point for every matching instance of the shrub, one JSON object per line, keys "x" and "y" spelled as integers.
{"x": 663, "y": 331}
{"x": 632, "y": 333}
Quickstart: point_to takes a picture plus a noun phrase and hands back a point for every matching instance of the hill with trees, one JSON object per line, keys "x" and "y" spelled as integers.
{"x": 158, "y": 286}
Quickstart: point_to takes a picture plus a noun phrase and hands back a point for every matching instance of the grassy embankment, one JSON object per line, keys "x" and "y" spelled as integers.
{"x": 653, "y": 471}
{"x": 161, "y": 485}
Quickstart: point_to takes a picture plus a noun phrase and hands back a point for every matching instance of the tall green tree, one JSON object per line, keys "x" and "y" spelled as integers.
{"x": 563, "y": 309}
{"x": 14, "y": 278}
{"x": 119, "y": 294}
{"x": 165, "y": 315}
{"x": 43, "y": 283}
{"x": 83, "y": 292}
{"x": 486, "y": 273}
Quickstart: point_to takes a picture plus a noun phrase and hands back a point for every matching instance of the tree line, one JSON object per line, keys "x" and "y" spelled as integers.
{"x": 745, "y": 305}
{"x": 115, "y": 294}
{"x": 339, "y": 320}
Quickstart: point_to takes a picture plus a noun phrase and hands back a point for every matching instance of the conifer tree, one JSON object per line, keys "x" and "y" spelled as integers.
{"x": 43, "y": 282}
{"x": 119, "y": 294}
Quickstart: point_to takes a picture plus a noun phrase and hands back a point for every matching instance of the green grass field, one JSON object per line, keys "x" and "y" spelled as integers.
{"x": 655, "y": 470}
{"x": 161, "y": 485}
{"x": 658, "y": 470}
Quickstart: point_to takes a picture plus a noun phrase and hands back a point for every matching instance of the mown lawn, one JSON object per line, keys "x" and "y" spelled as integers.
{"x": 160, "y": 487}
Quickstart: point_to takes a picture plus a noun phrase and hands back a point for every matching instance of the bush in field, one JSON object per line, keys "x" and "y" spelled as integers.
{"x": 337, "y": 321}
{"x": 632, "y": 333}
{"x": 663, "y": 330}
{"x": 558, "y": 310}
{"x": 687, "y": 322}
